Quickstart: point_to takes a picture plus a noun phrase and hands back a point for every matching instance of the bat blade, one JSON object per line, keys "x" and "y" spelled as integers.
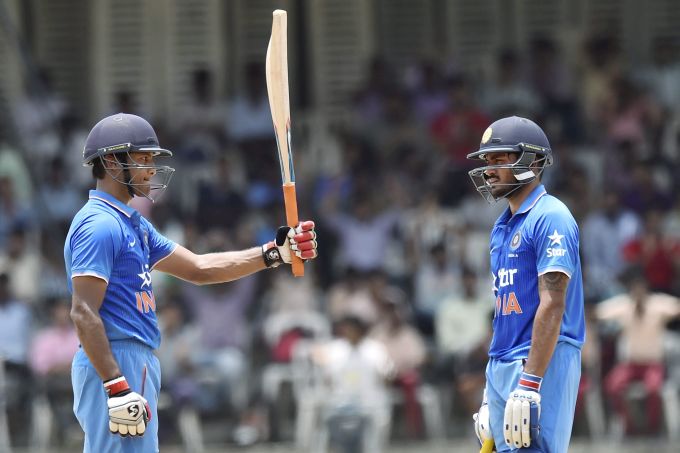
{"x": 279, "y": 103}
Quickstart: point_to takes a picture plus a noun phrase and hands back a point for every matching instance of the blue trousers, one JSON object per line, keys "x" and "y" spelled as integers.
{"x": 558, "y": 398}
{"x": 90, "y": 400}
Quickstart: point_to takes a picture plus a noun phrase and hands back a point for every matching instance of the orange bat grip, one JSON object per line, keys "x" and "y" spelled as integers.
{"x": 290, "y": 202}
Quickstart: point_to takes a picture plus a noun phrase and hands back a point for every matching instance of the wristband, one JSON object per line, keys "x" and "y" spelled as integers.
{"x": 117, "y": 386}
{"x": 271, "y": 255}
{"x": 530, "y": 382}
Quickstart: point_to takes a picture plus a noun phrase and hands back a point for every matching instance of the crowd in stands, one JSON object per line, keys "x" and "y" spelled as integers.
{"x": 401, "y": 289}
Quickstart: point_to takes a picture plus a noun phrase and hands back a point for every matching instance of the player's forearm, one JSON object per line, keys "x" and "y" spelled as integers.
{"x": 227, "y": 266}
{"x": 92, "y": 336}
{"x": 544, "y": 336}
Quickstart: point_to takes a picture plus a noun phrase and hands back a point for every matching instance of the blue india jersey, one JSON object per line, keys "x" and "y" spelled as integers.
{"x": 541, "y": 237}
{"x": 112, "y": 241}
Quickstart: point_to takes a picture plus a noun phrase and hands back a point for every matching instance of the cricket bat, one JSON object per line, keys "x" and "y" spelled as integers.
{"x": 487, "y": 447}
{"x": 279, "y": 103}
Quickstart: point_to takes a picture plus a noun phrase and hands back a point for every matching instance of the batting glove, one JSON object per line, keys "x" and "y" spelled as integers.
{"x": 129, "y": 412}
{"x": 300, "y": 240}
{"x": 482, "y": 423}
{"x": 522, "y": 411}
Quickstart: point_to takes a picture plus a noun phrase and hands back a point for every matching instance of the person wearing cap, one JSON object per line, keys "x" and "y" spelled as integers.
{"x": 109, "y": 252}
{"x": 534, "y": 366}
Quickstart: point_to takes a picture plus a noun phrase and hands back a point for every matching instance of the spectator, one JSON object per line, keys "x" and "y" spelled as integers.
{"x": 551, "y": 79}
{"x": 508, "y": 94}
{"x": 15, "y": 338}
{"x": 14, "y": 168}
{"x": 355, "y": 369}
{"x": 60, "y": 200}
{"x": 369, "y": 101}
{"x": 657, "y": 254}
{"x": 643, "y": 192}
{"x": 293, "y": 312}
{"x": 52, "y": 283}
{"x": 605, "y": 232}
{"x": 181, "y": 344}
{"x": 350, "y": 296}
{"x": 37, "y": 116}
{"x": 220, "y": 204}
{"x": 364, "y": 233}
{"x": 429, "y": 96}
{"x": 462, "y": 336}
{"x": 51, "y": 354}
{"x": 249, "y": 126}
{"x": 221, "y": 362}
{"x": 14, "y": 213}
{"x": 55, "y": 344}
{"x": 662, "y": 75}
{"x": 458, "y": 129}
{"x": 642, "y": 317}
{"x": 406, "y": 349}
{"x": 22, "y": 263}
{"x": 200, "y": 123}
{"x": 437, "y": 278}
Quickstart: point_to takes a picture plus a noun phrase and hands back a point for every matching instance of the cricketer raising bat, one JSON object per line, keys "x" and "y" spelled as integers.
{"x": 277, "y": 88}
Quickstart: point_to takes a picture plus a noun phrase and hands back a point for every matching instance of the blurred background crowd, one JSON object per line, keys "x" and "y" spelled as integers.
{"x": 392, "y": 321}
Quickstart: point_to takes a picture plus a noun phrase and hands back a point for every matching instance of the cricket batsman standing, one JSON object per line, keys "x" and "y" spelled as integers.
{"x": 110, "y": 251}
{"x": 535, "y": 355}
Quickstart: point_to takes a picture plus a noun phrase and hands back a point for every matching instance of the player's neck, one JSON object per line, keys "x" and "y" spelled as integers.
{"x": 115, "y": 189}
{"x": 517, "y": 198}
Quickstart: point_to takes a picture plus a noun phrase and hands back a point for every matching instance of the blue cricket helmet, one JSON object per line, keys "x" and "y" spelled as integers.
{"x": 512, "y": 135}
{"x": 121, "y": 133}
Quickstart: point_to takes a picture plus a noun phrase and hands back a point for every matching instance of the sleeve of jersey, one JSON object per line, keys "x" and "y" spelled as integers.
{"x": 93, "y": 248}
{"x": 160, "y": 247}
{"x": 556, "y": 240}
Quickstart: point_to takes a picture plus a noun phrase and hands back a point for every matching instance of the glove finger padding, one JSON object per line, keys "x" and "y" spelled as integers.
{"x": 515, "y": 425}
{"x": 306, "y": 225}
{"x": 303, "y": 240}
{"x": 521, "y": 417}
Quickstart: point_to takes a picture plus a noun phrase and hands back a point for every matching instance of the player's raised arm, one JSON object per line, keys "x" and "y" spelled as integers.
{"x": 227, "y": 266}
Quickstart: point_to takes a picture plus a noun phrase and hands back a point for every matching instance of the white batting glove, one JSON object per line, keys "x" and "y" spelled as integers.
{"x": 522, "y": 411}
{"x": 300, "y": 240}
{"x": 482, "y": 422}
{"x": 129, "y": 412}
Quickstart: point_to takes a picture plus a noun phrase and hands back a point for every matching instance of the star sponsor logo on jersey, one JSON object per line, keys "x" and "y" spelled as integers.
{"x": 145, "y": 276}
{"x": 145, "y": 299}
{"x": 555, "y": 240}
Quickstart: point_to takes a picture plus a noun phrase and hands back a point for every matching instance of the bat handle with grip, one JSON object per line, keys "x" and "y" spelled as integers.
{"x": 487, "y": 447}
{"x": 290, "y": 202}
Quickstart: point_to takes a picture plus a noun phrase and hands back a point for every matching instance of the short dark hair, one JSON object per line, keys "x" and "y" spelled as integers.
{"x": 98, "y": 170}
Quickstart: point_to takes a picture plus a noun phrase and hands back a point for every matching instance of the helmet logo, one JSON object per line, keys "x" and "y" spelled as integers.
{"x": 487, "y": 135}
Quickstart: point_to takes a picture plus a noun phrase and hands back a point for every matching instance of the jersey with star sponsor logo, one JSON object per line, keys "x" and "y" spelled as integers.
{"x": 112, "y": 241}
{"x": 541, "y": 237}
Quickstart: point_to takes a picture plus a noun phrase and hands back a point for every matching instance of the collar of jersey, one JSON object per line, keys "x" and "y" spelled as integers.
{"x": 527, "y": 204}
{"x": 112, "y": 201}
